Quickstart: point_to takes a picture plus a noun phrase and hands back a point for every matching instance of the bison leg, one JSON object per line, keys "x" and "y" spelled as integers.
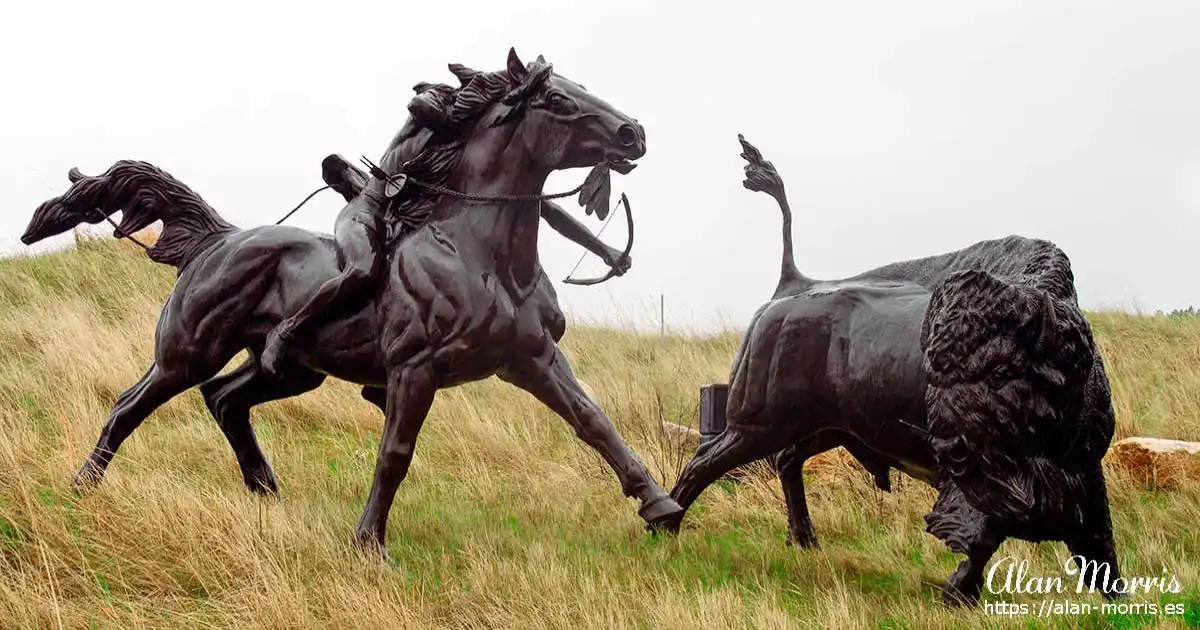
{"x": 1092, "y": 543}
{"x": 790, "y": 464}
{"x": 229, "y": 398}
{"x": 963, "y": 587}
{"x": 965, "y": 530}
{"x": 729, "y": 450}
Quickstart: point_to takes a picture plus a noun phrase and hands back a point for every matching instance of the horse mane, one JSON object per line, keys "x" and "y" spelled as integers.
{"x": 145, "y": 193}
{"x": 480, "y": 90}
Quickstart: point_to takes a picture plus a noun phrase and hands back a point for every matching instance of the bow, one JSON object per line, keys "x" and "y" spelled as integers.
{"x": 614, "y": 270}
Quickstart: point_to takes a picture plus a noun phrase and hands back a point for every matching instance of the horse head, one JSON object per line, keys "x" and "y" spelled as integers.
{"x": 127, "y": 186}
{"x": 539, "y": 121}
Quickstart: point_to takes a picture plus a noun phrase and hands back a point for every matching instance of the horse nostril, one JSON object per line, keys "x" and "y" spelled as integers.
{"x": 627, "y": 135}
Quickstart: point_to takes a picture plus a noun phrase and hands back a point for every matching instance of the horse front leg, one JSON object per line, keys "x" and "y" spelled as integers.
{"x": 550, "y": 379}
{"x": 410, "y": 393}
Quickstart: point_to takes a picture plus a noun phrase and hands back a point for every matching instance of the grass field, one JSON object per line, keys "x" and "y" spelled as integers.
{"x": 506, "y": 519}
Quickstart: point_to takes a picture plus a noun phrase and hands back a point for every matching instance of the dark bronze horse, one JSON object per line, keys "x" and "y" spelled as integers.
{"x": 462, "y": 298}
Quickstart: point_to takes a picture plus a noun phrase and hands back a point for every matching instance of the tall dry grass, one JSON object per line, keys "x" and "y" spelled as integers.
{"x": 506, "y": 519}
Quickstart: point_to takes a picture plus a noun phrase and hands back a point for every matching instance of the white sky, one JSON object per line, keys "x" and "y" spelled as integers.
{"x": 902, "y": 129}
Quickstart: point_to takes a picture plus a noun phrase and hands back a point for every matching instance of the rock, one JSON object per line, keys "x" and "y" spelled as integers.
{"x": 1157, "y": 462}
{"x": 685, "y": 438}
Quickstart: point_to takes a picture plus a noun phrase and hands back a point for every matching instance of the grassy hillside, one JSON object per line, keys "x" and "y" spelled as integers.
{"x": 506, "y": 519}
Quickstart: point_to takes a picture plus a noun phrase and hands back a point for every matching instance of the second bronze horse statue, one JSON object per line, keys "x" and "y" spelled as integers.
{"x": 462, "y": 298}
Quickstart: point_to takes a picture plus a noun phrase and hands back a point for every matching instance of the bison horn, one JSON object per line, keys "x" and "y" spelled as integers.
{"x": 1048, "y": 337}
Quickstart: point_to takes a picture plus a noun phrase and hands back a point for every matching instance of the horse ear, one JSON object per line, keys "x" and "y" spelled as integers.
{"x": 74, "y": 175}
{"x": 516, "y": 68}
{"x": 541, "y": 59}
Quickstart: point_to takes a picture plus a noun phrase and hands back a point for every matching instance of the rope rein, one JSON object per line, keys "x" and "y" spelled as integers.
{"x": 399, "y": 182}
{"x": 118, "y": 229}
{"x": 314, "y": 193}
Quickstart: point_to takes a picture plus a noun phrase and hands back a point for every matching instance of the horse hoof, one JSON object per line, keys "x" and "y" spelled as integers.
{"x": 263, "y": 483}
{"x": 662, "y": 515}
{"x": 372, "y": 546}
{"x": 87, "y": 477}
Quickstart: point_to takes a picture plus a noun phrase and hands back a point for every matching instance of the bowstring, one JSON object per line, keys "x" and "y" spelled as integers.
{"x": 585, "y": 250}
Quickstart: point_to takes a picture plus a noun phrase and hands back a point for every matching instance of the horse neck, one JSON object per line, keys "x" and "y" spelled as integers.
{"x": 500, "y": 236}
{"x": 189, "y": 223}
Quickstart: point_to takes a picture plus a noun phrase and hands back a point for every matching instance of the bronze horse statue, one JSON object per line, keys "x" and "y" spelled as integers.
{"x": 463, "y": 297}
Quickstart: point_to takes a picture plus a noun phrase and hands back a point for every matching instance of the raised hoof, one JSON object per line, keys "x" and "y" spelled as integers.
{"x": 273, "y": 352}
{"x": 662, "y": 515}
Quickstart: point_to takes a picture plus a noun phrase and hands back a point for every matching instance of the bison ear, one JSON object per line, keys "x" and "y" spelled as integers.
{"x": 74, "y": 175}
{"x": 516, "y": 67}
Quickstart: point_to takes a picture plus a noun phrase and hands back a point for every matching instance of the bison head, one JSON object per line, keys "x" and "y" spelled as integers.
{"x": 1007, "y": 366}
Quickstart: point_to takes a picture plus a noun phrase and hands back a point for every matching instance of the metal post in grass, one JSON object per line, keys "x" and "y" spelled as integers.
{"x": 712, "y": 410}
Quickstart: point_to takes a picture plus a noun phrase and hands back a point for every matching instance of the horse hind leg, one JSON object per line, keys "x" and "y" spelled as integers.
{"x": 230, "y": 397}
{"x": 157, "y": 386}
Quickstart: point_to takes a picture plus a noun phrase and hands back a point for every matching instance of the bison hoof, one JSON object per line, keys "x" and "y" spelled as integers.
{"x": 956, "y": 594}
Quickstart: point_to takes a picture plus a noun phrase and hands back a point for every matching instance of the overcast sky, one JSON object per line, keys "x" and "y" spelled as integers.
{"x": 902, "y": 129}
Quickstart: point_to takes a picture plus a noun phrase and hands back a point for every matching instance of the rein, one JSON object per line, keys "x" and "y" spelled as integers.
{"x": 400, "y": 180}
{"x": 117, "y": 229}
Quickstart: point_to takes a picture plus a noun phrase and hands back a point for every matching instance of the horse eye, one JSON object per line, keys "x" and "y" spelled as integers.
{"x": 560, "y": 103}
